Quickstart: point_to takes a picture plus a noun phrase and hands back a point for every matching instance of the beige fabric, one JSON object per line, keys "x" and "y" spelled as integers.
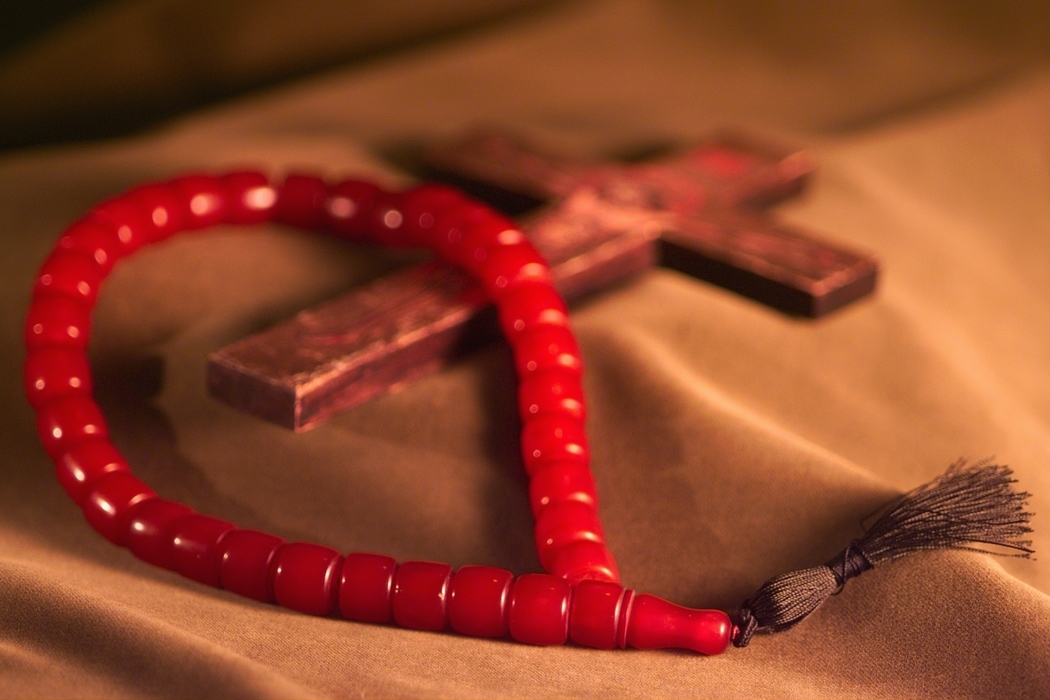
{"x": 730, "y": 443}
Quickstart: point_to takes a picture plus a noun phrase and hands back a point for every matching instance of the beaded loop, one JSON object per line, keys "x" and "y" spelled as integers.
{"x": 581, "y": 598}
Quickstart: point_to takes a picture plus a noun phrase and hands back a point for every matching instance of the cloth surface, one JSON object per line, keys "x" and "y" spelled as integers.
{"x": 731, "y": 443}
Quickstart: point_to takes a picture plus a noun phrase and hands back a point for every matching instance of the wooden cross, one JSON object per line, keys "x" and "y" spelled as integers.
{"x": 699, "y": 211}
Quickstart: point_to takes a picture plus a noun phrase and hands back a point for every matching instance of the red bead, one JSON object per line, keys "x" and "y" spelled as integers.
{"x": 507, "y": 267}
{"x": 552, "y": 437}
{"x": 65, "y": 420}
{"x": 150, "y": 530}
{"x": 546, "y": 347}
{"x": 250, "y": 198}
{"x": 194, "y": 544}
{"x": 585, "y": 560}
{"x": 246, "y": 559}
{"x": 384, "y": 225}
{"x": 161, "y": 210}
{"x": 553, "y": 391}
{"x": 597, "y": 608}
{"x": 110, "y": 501}
{"x": 203, "y": 201}
{"x": 539, "y": 610}
{"x": 57, "y": 321}
{"x": 478, "y": 599}
{"x": 125, "y": 220}
{"x": 562, "y": 524}
{"x": 482, "y": 238}
{"x": 70, "y": 274}
{"x": 451, "y": 227}
{"x": 306, "y": 578}
{"x": 560, "y": 482}
{"x": 530, "y": 305}
{"x": 420, "y": 597}
{"x": 654, "y": 623}
{"x": 421, "y": 206}
{"x": 300, "y": 201}
{"x": 53, "y": 371}
{"x": 366, "y": 586}
{"x": 349, "y": 207}
{"x": 78, "y": 467}
{"x": 98, "y": 242}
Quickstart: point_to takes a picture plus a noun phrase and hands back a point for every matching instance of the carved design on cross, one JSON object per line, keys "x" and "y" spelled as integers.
{"x": 701, "y": 211}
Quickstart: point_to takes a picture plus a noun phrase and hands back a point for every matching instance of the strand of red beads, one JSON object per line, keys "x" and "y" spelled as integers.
{"x": 581, "y": 598}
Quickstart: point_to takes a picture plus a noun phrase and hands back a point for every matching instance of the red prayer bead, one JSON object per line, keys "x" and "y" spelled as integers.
{"x": 506, "y": 267}
{"x": 384, "y": 225}
{"x": 478, "y": 598}
{"x": 420, "y": 597}
{"x": 539, "y": 609}
{"x": 553, "y": 391}
{"x": 530, "y": 305}
{"x": 597, "y": 609}
{"x": 366, "y": 586}
{"x": 421, "y": 206}
{"x": 57, "y": 321}
{"x": 483, "y": 237}
{"x": 150, "y": 530}
{"x": 161, "y": 210}
{"x": 70, "y": 274}
{"x": 301, "y": 200}
{"x": 654, "y": 623}
{"x": 546, "y": 347}
{"x": 560, "y": 482}
{"x": 349, "y": 206}
{"x": 65, "y": 420}
{"x": 451, "y": 227}
{"x": 54, "y": 371}
{"x": 78, "y": 467}
{"x": 306, "y": 578}
{"x": 562, "y": 524}
{"x": 585, "y": 560}
{"x": 194, "y": 543}
{"x": 203, "y": 200}
{"x": 110, "y": 501}
{"x": 98, "y": 242}
{"x": 126, "y": 221}
{"x": 246, "y": 559}
{"x": 249, "y": 197}
{"x": 552, "y": 437}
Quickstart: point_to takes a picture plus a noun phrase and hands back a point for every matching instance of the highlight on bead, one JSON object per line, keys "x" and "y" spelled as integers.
{"x": 579, "y": 599}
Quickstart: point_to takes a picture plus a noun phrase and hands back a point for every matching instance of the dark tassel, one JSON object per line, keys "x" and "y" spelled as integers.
{"x": 966, "y": 506}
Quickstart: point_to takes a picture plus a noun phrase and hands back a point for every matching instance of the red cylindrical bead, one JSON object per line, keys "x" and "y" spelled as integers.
{"x": 98, "y": 242}
{"x": 560, "y": 482}
{"x": 552, "y": 437}
{"x": 451, "y": 227}
{"x": 306, "y": 577}
{"x": 385, "y": 223}
{"x": 477, "y": 602}
{"x": 161, "y": 210}
{"x": 57, "y": 321}
{"x": 506, "y": 267}
{"x": 125, "y": 220}
{"x": 78, "y": 467}
{"x": 203, "y": 200}
{"x": 249, "y": 197}
{"x": 563, "y": 523}
{"x": 53, "y": 371}
{"x": 65, "y": 420}
{"x": 539, "y": 609}
{"x": 554, "y": 391}
{"x": 150, "y": 530}
{"x": 194, "y": 543}
{"x": 246, "y": 559}
{"x": 366, "y": 586}
{"x": 585, "y": 560}
{"x": 301, "y": 200}
{"x": 530, "y": 305}
{"x": 349, "y": 206}
{"x": 596, "y": 611}
{"x": 421, "y": 206}
{"x": 110, "y": 501}
{"x": 484, "y": 236}
{"x": 654, "y": 623}
{"x": 546, "y": 347}
{"x": 420, "y": 599}
{"x": 71, "y": 274}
